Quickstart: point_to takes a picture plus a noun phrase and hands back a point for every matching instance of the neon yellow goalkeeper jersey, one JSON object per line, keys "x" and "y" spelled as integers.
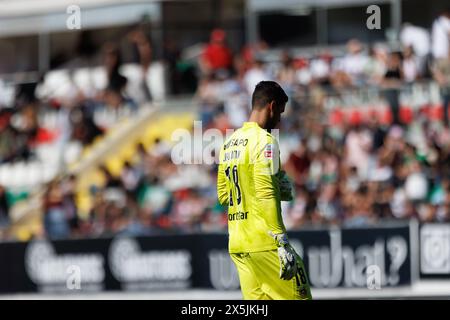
{"x": 247, "y": 183}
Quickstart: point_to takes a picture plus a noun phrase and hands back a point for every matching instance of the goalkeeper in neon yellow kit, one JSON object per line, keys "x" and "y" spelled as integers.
{"x": 250, "y": 183}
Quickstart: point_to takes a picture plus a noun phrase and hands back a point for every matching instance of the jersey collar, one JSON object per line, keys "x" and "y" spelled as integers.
{"x": 250, "y": 124}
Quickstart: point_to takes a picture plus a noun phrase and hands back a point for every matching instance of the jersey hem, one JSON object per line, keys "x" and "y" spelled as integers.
{"x": 274, "y": 247}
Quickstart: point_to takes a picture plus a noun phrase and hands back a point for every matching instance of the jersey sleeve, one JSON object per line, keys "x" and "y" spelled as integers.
{"x": 222, "y": 192}
{"x": 267, "y": 190}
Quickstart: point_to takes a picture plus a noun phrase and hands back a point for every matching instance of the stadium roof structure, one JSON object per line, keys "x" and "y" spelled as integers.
{"x": 28, "y": 17}
{"x": 254, "y": 8}
{"x": 268, "y": 5}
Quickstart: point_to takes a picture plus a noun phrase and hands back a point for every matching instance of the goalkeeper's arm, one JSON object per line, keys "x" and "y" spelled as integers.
{"x": 222, "y": 193}
{"x": 268, "y": 195}
{"x": 267, "y": 190}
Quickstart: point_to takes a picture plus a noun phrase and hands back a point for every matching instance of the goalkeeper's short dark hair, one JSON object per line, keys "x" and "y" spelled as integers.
{"x": 266, "y": 92}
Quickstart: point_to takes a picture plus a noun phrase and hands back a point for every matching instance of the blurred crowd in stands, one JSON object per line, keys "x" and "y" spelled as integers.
{"x": 352, "y": 173}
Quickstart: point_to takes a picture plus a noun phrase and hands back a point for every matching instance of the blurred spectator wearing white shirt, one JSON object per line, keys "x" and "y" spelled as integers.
{"x": 320, "y": 68}
{"x": 440, "y": 35}
{"x": 302, "y": 71}
{"x": 354, "y": 61}
{"x": 236, "y": 106}
{"x": 375, "y": 67}
{"x": 419, "y": 39}
{"x": 357, "y": 149}
{"x": 255, "y": 75}
{"x": 410, "y": 65}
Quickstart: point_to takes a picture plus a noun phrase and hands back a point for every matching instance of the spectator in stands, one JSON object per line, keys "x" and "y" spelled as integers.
{"x": 360, "y": 213}
{"x": 130, "y": 177}
{"x": 110, "y": 180}
{"x": 68, "y": 189}
{"x": 208, "y": 97}
{"x": 111, "y": 211}
{"x": 426, "y": 212}
{"x": 189, "y": 211}
{"x": 443, "y": 214}
{"x": 410, "y": 65}
{"x": 97, "y": 214}
{"x": 112, "y": 60}
{"x": 155, "y": 202}
{"x": 298, "y": 209}
{"x": 378, "y": 131}
{"x": 172, "y": 57}
{"x": 84, "y": 128}
{"x": 419, "y": 39}
{"x": 143, "y": 52}
{"x": 383, "y": 194}
{"x": 17, "y": 139}
{"x": 297, "y": 165}
{"x": 303, "y": 74}
{"x": 353, "y": 63}
{"x": 441, "y": 74}
{"x": 131, "y": 222}
{"x": 329, "y": 204}
{"x": 56, "y": 220}
{"x": 114, "y": 94}
{"x": 114, "y": 97}
{"x": 375, "y": 67}
{"x": 144, "y": 162}
{"x": 394, "y": 72}
{"x": 400, "y": 206}
{"x": 390, "y": 154}
{"x": 320, "y": 68}
{"x": 236, "y": 105}
{"x": 254, "y": 75}
{"x": 440, "y": 35}
{"x": 392, "y": 82}
{"x": 358, "y": 145}
{"x": 216, "y": 55}
{"x": 142, "y": 47}
{"x": 142, "y": 224}
{"x": 214, "y": 219}
{"x": 416, "y": 184}
{"x": 251, "y": 52}
{"x": 8, "y": 135}
{"x": 159, "y": 152}
{"x": 286, "y": 73}
{"x": 116, "y": 218}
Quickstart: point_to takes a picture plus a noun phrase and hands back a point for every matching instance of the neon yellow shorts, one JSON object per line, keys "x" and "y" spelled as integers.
{"x": 259, "y": 276}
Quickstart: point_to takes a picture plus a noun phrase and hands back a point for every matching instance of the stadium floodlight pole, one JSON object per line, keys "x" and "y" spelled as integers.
{"x": 252, "y": 32}
{"x": 44, "y": 51}
{"x": 396, "y": 19}
{"x": 322, "y": 25}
